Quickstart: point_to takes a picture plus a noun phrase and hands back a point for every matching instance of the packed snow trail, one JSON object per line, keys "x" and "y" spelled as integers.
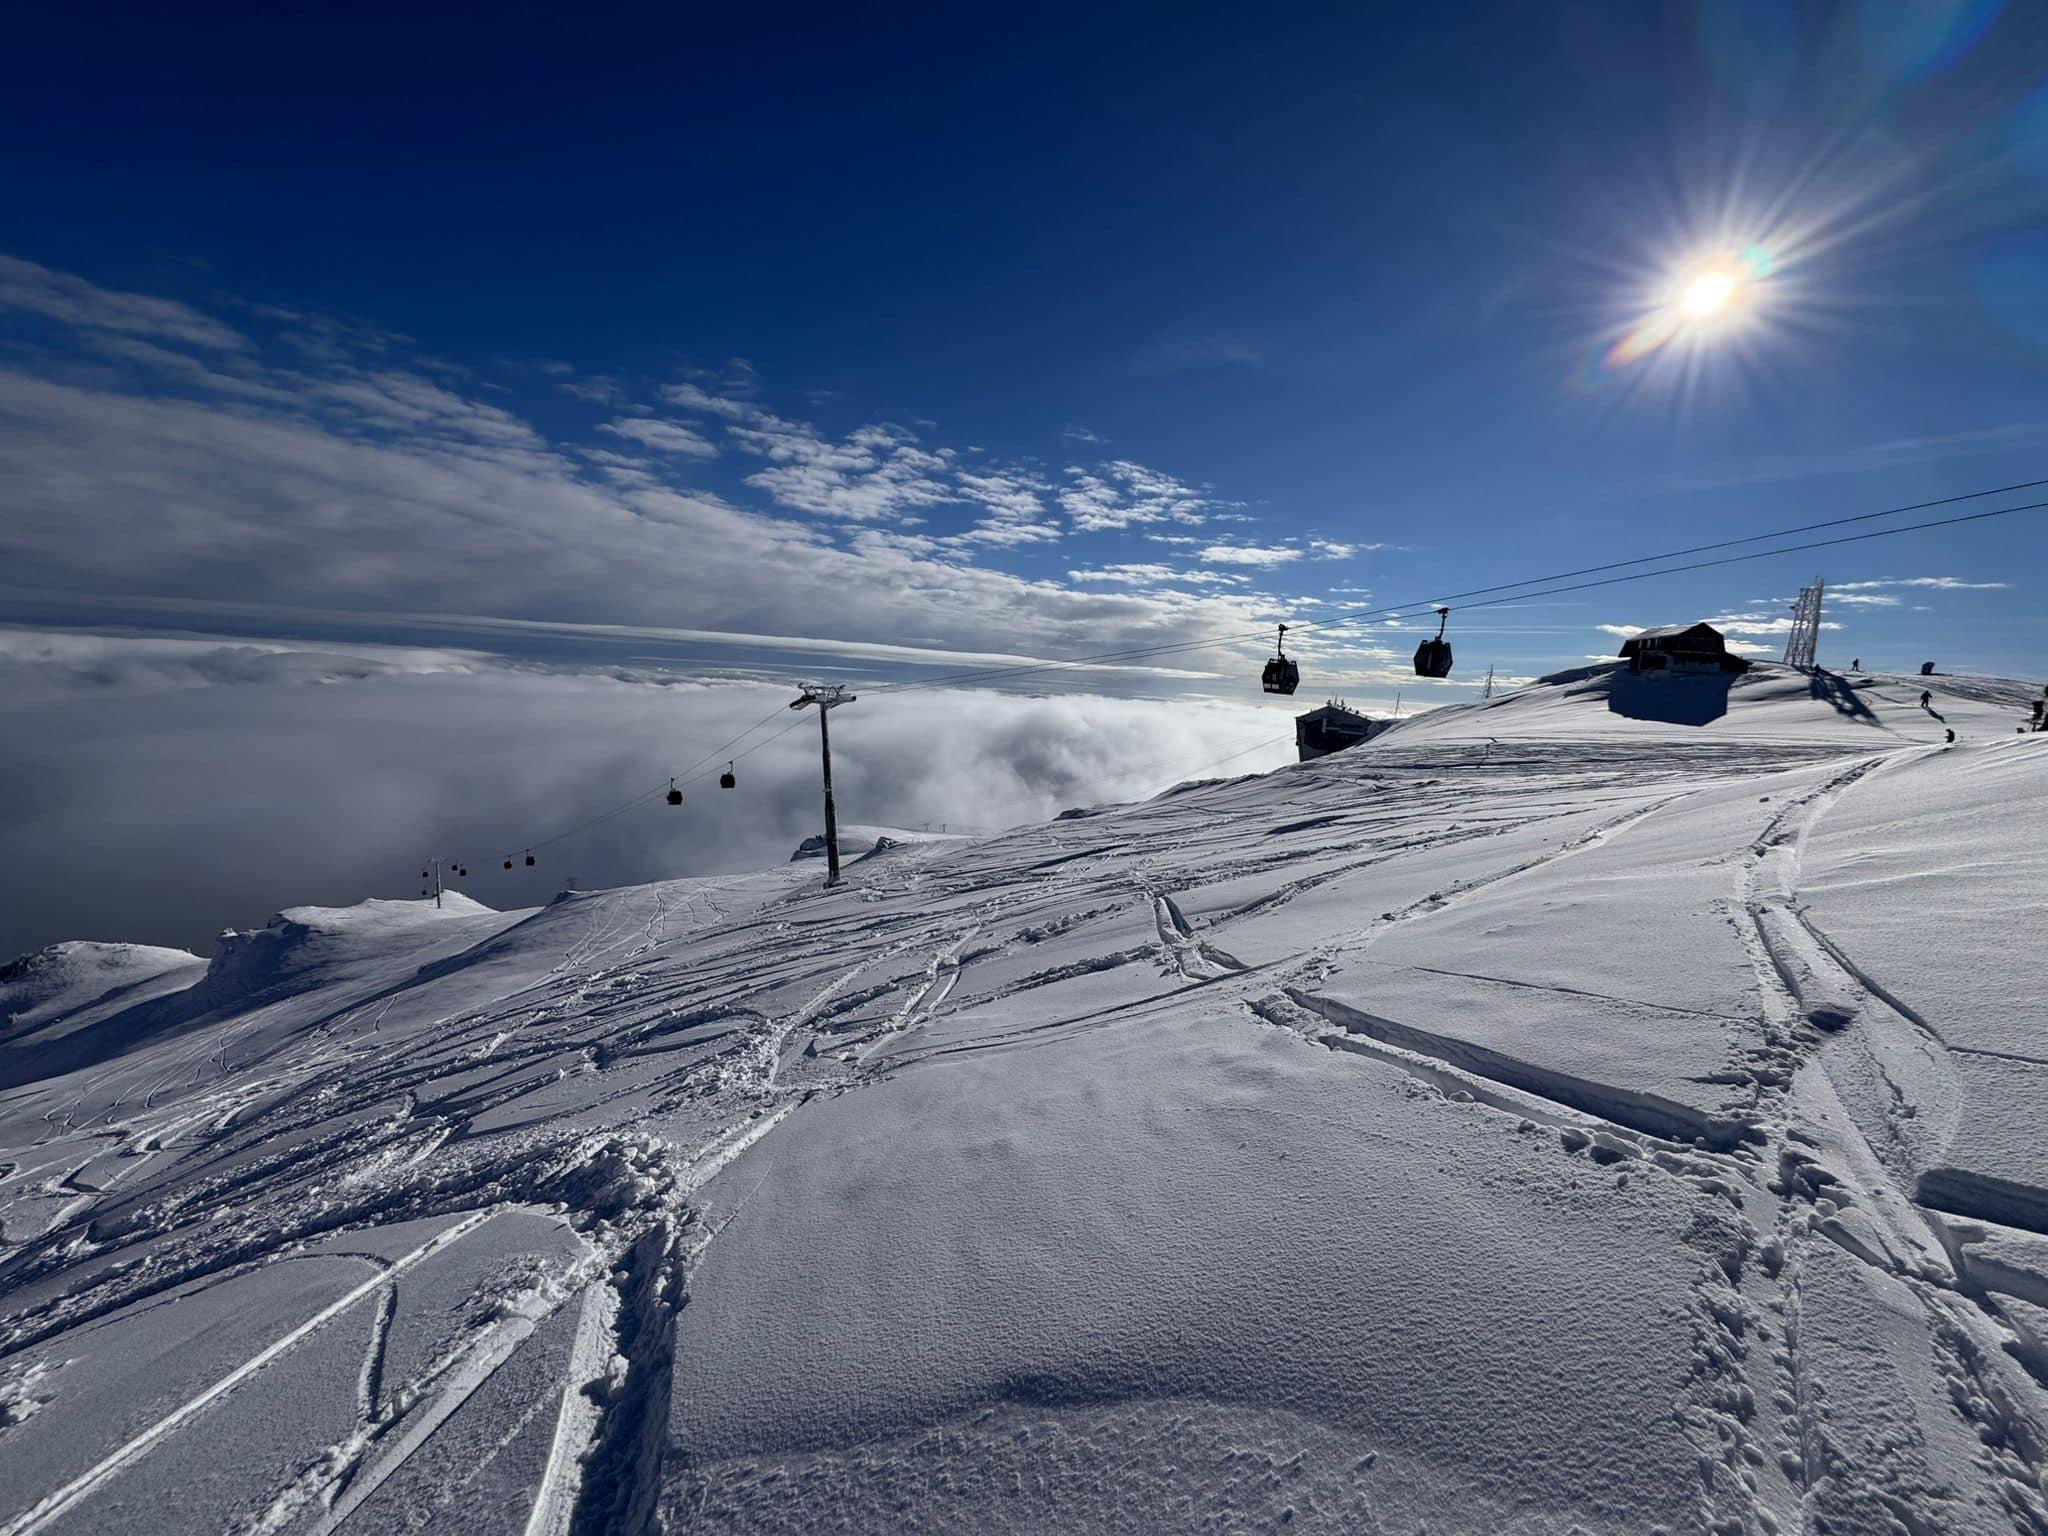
{"x": 1549, "y": 1116}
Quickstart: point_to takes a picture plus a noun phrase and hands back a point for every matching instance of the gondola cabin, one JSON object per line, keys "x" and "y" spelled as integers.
{"x": 1329, "y": 729}
{"x": 1680, "y": 649}
{"x": 1433, "y": 656}
{"x": 1281, "y": 674}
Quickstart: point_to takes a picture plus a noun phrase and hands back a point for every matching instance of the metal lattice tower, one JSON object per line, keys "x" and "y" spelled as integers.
{"x": 1805, "y": 635}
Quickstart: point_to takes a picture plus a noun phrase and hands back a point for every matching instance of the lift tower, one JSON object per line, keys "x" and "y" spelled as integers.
{"x": 827, "y": 696}
{"x": 1805, "y": 634}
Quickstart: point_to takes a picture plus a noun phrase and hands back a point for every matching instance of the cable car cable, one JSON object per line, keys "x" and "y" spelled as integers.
{"x": 1399, "y": 609}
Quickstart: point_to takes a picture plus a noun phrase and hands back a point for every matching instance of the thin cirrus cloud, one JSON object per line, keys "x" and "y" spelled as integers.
{"x": 1186, "y": 347}
{"x": 663, "y": 436}
{"x": 1938, "y": 583}
{"x": 1864, "y": 458}
{"x": 152, "y": 449}
{"x": 73, "y": 301}
{"x": 1263, "y": 555}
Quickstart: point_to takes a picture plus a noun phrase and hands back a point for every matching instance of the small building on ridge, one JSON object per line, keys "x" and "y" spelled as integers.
{"x": 1681, "y": 648}
{"x": 1331, "y": 728}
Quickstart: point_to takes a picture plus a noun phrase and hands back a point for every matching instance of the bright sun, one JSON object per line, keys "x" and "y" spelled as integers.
{"x": 1706, "y": 294}
{"x": 1718, "y": 294}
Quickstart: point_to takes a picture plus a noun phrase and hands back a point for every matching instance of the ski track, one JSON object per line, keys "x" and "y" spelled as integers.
{"x": 57, "y": 1503}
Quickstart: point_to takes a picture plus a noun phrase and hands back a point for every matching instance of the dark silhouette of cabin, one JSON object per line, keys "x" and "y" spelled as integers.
{"x": 1681, "y": 648}
{"x": 1331, "y": 728}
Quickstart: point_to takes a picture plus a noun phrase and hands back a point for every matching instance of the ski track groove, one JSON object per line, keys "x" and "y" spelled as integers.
{"x": 63, "y": 1499}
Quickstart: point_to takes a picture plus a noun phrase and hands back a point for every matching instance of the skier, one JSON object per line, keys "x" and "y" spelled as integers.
{"x": 1926, "y": 698}
{"x": 1856, "y": 665}
{"x": 1951, "y": 737}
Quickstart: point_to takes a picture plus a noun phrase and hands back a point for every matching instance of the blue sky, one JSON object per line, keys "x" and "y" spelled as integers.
{"x": 1018, "y": 335}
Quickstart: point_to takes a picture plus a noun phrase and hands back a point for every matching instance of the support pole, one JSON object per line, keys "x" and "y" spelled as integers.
{"x": 432, "y": 876}
{"x": 826, "y": 696}
{"x": 831, "y": 812}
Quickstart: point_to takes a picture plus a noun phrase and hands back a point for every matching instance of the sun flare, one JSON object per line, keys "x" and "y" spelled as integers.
{"x": 1705, "y": 301}
{"x": 1707, "y": 293}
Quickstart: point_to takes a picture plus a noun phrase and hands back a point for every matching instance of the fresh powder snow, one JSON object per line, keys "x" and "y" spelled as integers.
{"x": 1615, "y": 1106}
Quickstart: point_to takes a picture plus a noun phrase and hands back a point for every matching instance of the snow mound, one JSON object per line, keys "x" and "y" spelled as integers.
{"x": 1769, "y": 703}
{"x": 301, "y": 939}
{"x": 48, "y": 984}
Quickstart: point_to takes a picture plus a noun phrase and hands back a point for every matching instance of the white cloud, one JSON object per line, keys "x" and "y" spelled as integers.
{"x": 883, "y": 472}
{"x": 113, "y": 493}
{"x": 221, "y": 476}
{"x": 74, "y": 301}
{"x": 623, "y": 469}
{"x": 234, "y": 378}
{"x": 691, "y": 397}
{"x": 1122, "y": 494}
{"x": 598, "y": 389}
{"x": 1263, "y": 555}
{"x": 666, "y": 436}
{"x": 874, "y": 472}
{"x": 1760, "y": 623}
{"x": 394, "y": 399}
{"x": 1187, "y": 347}
{"x": 1137, "y": 574}
{"x": 1004, "y": 534}
{"x": 1940, "y": 583}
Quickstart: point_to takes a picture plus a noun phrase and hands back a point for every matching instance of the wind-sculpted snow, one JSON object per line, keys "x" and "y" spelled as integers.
{"x": 1544, "y": 1118}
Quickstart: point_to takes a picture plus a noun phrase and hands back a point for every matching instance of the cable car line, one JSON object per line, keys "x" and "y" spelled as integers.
{"x": 661, "y": 792}
{"x": 1398, "y": 610}
{"x": 1441, "y": 607}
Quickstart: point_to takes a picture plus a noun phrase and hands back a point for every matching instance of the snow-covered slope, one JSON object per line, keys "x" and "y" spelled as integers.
{"x": 1600, "y": 1109}
{"x": 66, "y": 980}
{"x": 860, "y": 842}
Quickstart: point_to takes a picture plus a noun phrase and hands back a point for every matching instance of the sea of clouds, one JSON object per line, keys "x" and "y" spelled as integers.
{"x": 158, "y": 789}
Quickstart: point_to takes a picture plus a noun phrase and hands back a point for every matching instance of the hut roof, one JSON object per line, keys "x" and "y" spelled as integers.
{"x": 1334, "y": 711}
{"x": 1707, "y": 637}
